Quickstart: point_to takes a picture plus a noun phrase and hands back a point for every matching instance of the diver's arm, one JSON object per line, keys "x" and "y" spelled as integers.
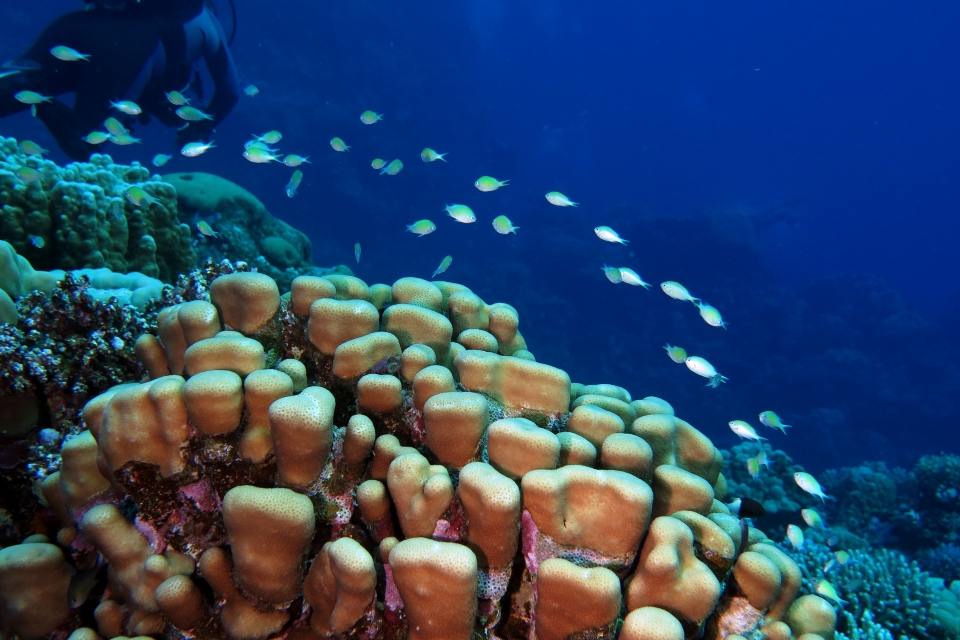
{"x": 220, "y": 65}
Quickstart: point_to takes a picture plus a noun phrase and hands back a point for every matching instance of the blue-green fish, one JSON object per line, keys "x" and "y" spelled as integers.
{"x": 677, "y": 354}
{"x": 486, "y": 183}
{"x": 444, "y": 265}
{"x": 356, "y": 251}
{"x": 613, "y": 274}
{"x": 422, "y": 227}
{"x": 60, "y": 52}
{"x": 295, "y": 179}
{"x": 772, "y": 420}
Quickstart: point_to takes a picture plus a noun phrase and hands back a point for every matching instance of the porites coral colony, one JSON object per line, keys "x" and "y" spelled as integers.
{"x": 387, "y": 462}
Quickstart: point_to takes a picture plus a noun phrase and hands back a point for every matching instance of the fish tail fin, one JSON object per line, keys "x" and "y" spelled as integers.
{"x": 645, "y": 285}
{"x": 440, "y": 156}
{"x": 724, "y": 324}
{"x": 504, "y": 183}
{"x": 574, "y": 204}
{"x": 784, "y": 427}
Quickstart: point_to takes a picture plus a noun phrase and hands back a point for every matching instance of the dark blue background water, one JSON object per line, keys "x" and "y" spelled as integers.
{"x": 793, "y": 164}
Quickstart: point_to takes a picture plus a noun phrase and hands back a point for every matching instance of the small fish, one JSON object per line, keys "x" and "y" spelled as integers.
{"x": 753, "y": 468}
{"x": 115, "y": 127}
{"x": 295, "y": 161}
{"x": 609, "y": 235}
{"x": 256, "y": 144}
{"x": 829, "y": 592}
{"x": 194, "y": 149}
{"x": 795, "y": 536}
{"x": 60, "y": 52}
{"x": 772, "y": 420}
{"x": 560, "y": 200}
{"x": 422, "y": 228}
{"x": 677, "y": 354}
{"x": 192, "y": 114}
{"x": 461, "y": 213}
{"x": 124, "y": 139}
{"x": 369, "y": 117}
{"x": 32, "y": 148}
{"x": 128, "y": 107}
{"x": 710, "y": 315}
{"x": 503, "y": 226}
{"x": 161, "y": 159}
{"x": 840, "y": 558}
{"x": 393, "y": 168}
{"x": 486, "y": 183}
{"x": 813, "y": 519}
{"x": 703, "y": 368}
{"x": 206, "y": 229}
{"x": 762, "y": 459}
{"x": 38, "y": 242}
{"x": 270, "y": 137}
{"x": 632, "y": 277}
{"x": 429, "y": 155}
{"x": 96, "y": 137}
{"x": 294, "y": 183}
{"x": 28, "y": 174}
{"x": 338, "y": 144}
{"x": 356, "y": 251}
{"x": 678, "y": 292}
{"x": 444, "y": 265}
{"x": 30, "y": 97}
{"x": 809, "y": 484}
{"x": 744, "y": 430}
{"x": 747, "y": 508}
{"x": 177, "y": 99}
{"x": 137, "y": 196}
{"x": 378, "y": 163}
{"x": 260, "y": 156}
{"x": 613, "y": 274}
{"x": 251, "y": 90}
{"x": 83, "y": 582}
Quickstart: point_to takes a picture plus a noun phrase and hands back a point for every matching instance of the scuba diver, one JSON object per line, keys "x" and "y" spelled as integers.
{"x": 123, "y": 50}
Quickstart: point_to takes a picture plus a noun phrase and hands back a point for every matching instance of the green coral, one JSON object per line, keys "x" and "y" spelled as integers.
{"x": 884, "y": 591}
{"x": 77, "y": 217}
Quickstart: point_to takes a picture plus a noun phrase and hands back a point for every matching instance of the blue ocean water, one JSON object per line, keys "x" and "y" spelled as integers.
{"x": 794, "y": 165}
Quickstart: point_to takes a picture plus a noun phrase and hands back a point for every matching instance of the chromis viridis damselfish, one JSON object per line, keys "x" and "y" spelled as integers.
{"x": 461, "y": 213}
{"x": 703, "y": 368}
{"x": 812, "y": 518}
{"x": 744, "y": 430}
{"x": 378, "y": 163}
{"x": 270, "y": 137}
{"x": 115, "y": 127}
{"x": 795, "y": 536}
{"x": 124, "y": 139}
{"x": 677, "y": 291}
{"x": 422, "y": 227}
{"x": 138, "y": 197}
{"x": 677, "y": 354}
{"x": 292, "y": 160}
{"x": 61, "y": 52}
{"x": 809, "y": 484}
{"x": 32, "y": 148}
{"x": 772, "y": 420}
{"x": 96, "y": 137}
{"x": 176, "y": 98}
{"x": 393, "y": 168}
{"x": 613, "y": 274}
{"x": 486, "y": 183}
{"x": 356, "y": 251}
{"x": 127, "y": 106}
{"x": 829, "y": 592}
{"x": 338, "y": 144}
{"x": 429, "y": 155}
{"x": 444, "y": 265}
{"x": 710, "y": 315}
{"x": 161, "y": 159}
{"x": 632, "y": 277}
{"x": 558, "y": 199}
{"x": 251, "y": 90}
{"x": 370, "y": 117}
{"x": 192, "y": 114}
{"x": 609, "y": 235}
{"x": 753, "y": 468}
{"x": 204, "y": 227}
{"x": 28, "y": 174}
{"x": 294, "y": 183}
{"x": 260, "y": 156}
{"x": 503, "y": 226}
{"x": 194, "y": 149}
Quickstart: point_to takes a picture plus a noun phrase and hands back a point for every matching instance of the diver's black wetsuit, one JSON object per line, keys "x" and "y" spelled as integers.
{"x": 136, "y": 53}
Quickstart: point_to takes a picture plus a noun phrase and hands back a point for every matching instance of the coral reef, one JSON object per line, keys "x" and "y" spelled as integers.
{"x": 887, "y": 595}
{"x": 340, "y": 463}
{"x": 245, "y": 229}
{"x": 82, "y": 216}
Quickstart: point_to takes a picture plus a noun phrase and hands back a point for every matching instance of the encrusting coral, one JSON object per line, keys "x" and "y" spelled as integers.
{"x": 81, "y": 216}
{"x": 282, "y": 473}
